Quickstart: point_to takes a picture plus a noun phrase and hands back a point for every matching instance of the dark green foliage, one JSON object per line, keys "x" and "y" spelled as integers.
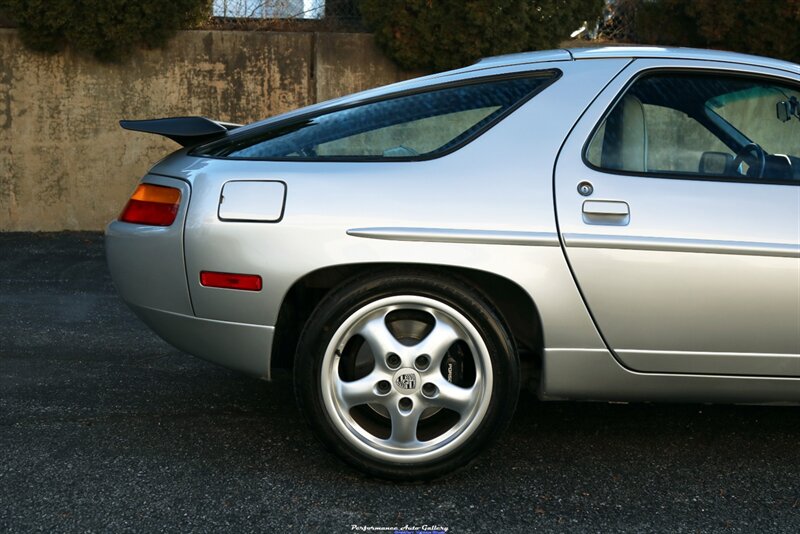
{"x": 763, "y": 27}
{"x": 444, "y": 34}
{"x": 109, "y": 29}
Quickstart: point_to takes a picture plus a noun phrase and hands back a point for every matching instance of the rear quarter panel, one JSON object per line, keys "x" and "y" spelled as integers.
{"x": 502, "y": 181}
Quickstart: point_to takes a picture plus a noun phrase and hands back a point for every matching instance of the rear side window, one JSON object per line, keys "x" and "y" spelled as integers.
{"x": 406, "y": 126}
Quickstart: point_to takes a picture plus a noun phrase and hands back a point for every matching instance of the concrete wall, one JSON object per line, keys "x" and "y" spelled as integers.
{"x": 66, "y": 165}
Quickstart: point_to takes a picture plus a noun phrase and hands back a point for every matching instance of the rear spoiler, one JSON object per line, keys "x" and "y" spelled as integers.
{"x": 186, "y": 131}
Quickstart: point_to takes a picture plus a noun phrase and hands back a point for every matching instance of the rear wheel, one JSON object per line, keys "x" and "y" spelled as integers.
{"x": 406, "y": 376}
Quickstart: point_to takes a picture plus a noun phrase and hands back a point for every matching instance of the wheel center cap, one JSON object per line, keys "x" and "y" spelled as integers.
{"x": 406, "y": 381}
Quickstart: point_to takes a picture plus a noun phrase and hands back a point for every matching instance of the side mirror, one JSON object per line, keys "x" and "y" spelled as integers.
{"x": 784, "y": 111}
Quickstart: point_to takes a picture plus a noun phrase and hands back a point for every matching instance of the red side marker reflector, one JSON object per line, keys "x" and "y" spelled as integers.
{"x": 153, "y": 205}
{"x": 245, "y": 282}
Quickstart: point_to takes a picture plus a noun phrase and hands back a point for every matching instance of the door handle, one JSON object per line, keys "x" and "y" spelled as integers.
{"x": 606, "y": 207}
{"x": 613, "y": 212}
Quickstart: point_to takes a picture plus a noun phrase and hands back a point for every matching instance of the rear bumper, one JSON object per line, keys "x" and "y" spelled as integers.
{"x": 149, "y": 271}
{"x": 146, "y": 262}
{"x": 242, "y": 347}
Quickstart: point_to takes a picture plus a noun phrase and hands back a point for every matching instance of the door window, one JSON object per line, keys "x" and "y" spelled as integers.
{"x": 704, "y": 126}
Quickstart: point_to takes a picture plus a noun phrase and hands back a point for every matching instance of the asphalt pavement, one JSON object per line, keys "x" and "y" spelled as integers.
{"x": 106, "y": 428}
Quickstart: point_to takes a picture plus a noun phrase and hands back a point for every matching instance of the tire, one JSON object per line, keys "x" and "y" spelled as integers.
{"x": 406, "y": 376}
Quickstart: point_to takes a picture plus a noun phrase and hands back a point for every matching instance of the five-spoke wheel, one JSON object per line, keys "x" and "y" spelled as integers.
{"x": 406, "y": 376}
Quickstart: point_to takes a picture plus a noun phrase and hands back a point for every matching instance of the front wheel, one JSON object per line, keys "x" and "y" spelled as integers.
{"x": 406, "y": 376}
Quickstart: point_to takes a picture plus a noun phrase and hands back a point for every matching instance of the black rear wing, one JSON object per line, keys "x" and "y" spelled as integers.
{"x": 186, "y": 131}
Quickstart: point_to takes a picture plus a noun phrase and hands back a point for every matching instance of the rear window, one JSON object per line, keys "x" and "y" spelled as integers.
{"x": 415, "y": 125}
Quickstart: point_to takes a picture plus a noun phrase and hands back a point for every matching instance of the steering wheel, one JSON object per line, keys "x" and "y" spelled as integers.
{"x": 757, "y": 165}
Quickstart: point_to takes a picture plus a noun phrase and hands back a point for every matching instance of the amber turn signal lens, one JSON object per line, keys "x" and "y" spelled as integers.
{"x": 245, "y": 282}
{"x": 153, "y": 205}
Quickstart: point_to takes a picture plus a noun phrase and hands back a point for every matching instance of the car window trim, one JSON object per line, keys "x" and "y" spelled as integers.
{"x": 550, "y": 76}
{"x": 675, "y": 175}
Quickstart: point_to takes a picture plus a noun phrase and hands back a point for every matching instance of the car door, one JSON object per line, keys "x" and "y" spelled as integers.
{"x": 678, "y": 205}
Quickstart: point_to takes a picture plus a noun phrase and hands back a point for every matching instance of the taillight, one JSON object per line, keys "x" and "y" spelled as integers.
{"x": 245, "y": 282}
{"x": 154, "y": 205}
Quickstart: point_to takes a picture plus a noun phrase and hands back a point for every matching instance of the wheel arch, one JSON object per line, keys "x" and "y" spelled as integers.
{"x": 514, "y": 303}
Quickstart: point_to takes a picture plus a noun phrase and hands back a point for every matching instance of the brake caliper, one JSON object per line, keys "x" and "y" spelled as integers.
{"x": 454, "y": 365}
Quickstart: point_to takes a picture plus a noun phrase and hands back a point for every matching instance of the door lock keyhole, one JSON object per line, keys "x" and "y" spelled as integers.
{"x": 585, "y": 189}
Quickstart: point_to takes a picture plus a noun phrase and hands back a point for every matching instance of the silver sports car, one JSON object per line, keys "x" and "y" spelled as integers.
{"x": 618, "y": 224}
